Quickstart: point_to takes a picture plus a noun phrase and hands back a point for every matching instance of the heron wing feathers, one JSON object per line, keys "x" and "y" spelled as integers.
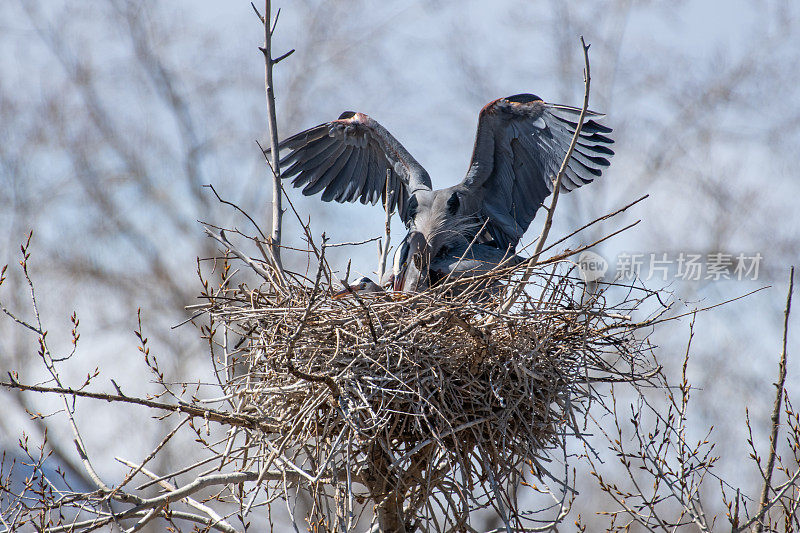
{"x": 347, "y": 159}
{"x": 519, "y": 147}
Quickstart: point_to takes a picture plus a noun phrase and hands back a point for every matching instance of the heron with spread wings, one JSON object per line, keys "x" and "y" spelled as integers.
{"x": 469, "y": 228}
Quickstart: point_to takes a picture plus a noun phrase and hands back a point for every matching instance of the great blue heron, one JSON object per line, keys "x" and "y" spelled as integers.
{"x": 363, "y": 286}
{"x": 470, "y": 227}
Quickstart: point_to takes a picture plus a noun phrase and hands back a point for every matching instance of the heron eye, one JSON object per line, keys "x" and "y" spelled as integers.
{"x": 453, "y": 203}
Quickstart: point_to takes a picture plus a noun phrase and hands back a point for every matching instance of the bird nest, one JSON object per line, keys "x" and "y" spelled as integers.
{"x": 427, "y": 405}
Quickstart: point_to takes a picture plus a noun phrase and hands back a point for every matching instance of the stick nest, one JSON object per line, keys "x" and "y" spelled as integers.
{"x": 430, "y": 396}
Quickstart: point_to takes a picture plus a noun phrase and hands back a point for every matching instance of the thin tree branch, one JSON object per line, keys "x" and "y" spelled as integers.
{"x": 277, "y": 211}
{"x": 781, "y": 490}
{"x": 282, "y": 56}
{"x": 556, "y": 188}
{"x": 188, "y": 500}
{"x": 776, "y": 410}
{"x": 387, "y": 229}
{"x": 352, "y": 243}
{"x": 210, "y": 414}
{"x": 222, "y": 239}
{"x": 242, "y": 211}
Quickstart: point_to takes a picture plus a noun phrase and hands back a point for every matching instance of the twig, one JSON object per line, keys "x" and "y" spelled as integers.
{"x": 242, "y": 211}
{"x": 230, "y": 419}
{"x": 277, "y": 210}
{"x": 595, "y": 221}
{"x": 650, "y": 323}
{"x": 515, "y": 293}
{"x": 150, "y": 456}
{"x": 570, "y": 253}
{"x": 327, "y": 380}
{"x": 268, "y": 255}
{"x": 47, "y": 358}
{"x": 387, "y": 229}
{"x": 776, "y": 410}
{"x": 94, "y": 523}
{"x": 352, "y": 243}
{"x": 780, "y": 491}
{"x": 304, "y": 225}
{"x": 222, "y": 239}
{"x": 189, "y": 501}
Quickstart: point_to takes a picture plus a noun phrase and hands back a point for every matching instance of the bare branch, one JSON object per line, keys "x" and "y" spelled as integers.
{"x": 387, "y": 231}
{"x": 277, "y": 210}
{"x": 225, "y": 526}
{"x": 515, "y": 293}
{"x": 209, "y": 414}
{"x": 776, "y": 409}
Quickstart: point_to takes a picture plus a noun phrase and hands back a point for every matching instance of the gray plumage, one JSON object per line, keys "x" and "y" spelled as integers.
{"x": 519, "y": 146}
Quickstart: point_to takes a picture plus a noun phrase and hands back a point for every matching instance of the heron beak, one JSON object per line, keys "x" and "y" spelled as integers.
{"x": 416, "y": 258}
{"x": 347, "y": 291}
{"x": 400, "y": 279}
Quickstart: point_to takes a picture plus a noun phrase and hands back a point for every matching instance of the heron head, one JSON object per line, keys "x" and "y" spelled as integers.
{"x": 437, "y": 222}
{"x": 363, "y": 286}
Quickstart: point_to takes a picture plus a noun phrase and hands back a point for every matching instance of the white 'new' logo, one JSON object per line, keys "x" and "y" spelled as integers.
{"x": 592, "y": 266}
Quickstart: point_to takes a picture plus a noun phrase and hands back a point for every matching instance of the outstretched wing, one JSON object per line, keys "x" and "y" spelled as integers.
{"x": 519, "y": 147}
{"x": 347, "y": 160}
